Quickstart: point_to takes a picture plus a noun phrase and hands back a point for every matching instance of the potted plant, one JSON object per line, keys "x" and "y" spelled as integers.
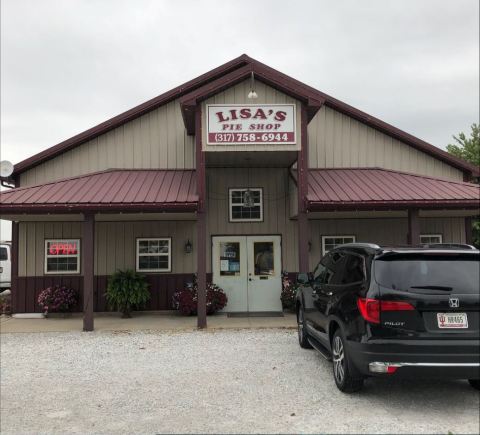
{"x": 289, "y": 292}
{"x": 127, "y": 290}
{"x": 186, "y": 299}
{"x": 57, "y": 299}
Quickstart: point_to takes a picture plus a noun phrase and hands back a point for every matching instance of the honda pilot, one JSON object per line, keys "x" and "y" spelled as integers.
{"x": 396, "y": 312}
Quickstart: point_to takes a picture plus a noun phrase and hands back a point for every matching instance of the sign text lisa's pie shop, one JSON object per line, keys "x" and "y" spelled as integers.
{"x": 251, "y": 124}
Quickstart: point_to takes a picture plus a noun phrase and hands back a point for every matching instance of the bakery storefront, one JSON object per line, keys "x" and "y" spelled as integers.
{"x": 237, "y": 176}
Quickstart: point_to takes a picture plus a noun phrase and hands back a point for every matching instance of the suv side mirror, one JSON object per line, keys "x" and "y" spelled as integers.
{"x": 303, "y": 278}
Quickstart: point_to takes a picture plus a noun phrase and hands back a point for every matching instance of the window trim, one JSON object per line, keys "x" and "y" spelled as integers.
{"x": 230, "y": 204}
{"x": 137, "y": 255}
{"x": 440, "y": 236}
{"x": 334, "y": 237}
{"x": 62, "y": 272}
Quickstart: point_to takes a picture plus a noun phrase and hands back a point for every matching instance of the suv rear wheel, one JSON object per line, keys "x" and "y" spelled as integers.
{"x": 343, "y": 372}
{"x": 302, "y": 333}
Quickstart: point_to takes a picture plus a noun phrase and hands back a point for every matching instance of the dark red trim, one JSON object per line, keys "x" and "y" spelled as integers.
{"x": 469, "y": 230}
{"x": 287, "y": 86}
{"x": 130, "y": 115}
{"x": 6, "y": 209}
{"x": 88, "y": 270}
{"x": 201, "y": 224}
{"x": 302, "y": 183}
{"x": 222, "y": 71}
{"x": 413, "y": 236}
{"x": 14, "y": 266}
{"x": 393, "y": 205}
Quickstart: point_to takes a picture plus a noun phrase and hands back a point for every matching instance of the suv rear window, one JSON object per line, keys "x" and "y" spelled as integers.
{"x": 455, "y": 273}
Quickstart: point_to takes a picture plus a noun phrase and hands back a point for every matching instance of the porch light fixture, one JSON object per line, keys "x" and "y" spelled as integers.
{"x": 188, "y": 247}
{"x": 252, "y": 94}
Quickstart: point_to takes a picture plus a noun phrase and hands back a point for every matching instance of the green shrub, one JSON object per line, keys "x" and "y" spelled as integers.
{"x": 127, "y": 290}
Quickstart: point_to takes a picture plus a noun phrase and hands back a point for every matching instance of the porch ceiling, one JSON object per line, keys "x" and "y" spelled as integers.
{"x": 383, "y": 189}
{"x": 116, "y": 190}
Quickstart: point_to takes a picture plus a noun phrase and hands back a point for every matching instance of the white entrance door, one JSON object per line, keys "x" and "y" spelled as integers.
{"x": 248, "y": 268}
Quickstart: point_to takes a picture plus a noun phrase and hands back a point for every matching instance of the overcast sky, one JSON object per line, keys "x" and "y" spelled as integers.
{"x": 67, "y": 65}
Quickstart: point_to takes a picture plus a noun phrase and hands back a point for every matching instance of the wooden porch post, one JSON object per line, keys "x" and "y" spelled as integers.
{"x": 201, "y": 224}
{"x": 88, "y": 270}
{"x": 413, "y": 237}
{"x": 469, "y": 230}
{"x": 14, "y": 267}
{"x": 302, "y": 186}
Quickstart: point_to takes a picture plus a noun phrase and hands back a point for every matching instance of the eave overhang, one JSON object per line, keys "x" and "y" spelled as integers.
{"x": 189, "y": 102}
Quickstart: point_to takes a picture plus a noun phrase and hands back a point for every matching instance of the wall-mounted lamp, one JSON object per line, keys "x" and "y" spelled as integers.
{"x": 252, "y": 94}
{"x": 188, "y": 247}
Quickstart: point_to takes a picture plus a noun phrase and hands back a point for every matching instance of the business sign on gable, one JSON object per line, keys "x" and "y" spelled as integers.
{"x": 250, "y": 124}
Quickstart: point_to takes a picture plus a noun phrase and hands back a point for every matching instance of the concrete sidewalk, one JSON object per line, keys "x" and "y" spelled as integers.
{"x": 143, "y": 321}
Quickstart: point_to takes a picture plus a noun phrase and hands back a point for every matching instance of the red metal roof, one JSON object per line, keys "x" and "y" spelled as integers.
{"x": 224, "y": 70}
{"x": 375, "y": 188}
{"x": 112, "y": 190}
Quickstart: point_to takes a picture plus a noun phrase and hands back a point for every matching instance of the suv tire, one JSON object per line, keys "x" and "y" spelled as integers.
{"x": 474, "y": 383}
{"x": 302, "y": 331}
{"x": 346, "y": 378}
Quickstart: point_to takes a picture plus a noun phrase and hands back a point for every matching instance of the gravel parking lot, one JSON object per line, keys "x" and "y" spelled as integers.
{"x": 224, "y": 381}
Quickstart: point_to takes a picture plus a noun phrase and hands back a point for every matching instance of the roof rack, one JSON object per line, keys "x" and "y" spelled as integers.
{"x": 449, "y": 246}
{"x": 371, "y": 246}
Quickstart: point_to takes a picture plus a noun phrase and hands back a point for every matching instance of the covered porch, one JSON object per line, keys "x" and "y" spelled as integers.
{"x": 143, "y": 321}
{"x": 105, "y": 212}
{"x": 388, "y": 207}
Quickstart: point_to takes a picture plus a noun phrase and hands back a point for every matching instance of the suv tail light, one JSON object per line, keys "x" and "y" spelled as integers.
{"x": 370, "y": 309}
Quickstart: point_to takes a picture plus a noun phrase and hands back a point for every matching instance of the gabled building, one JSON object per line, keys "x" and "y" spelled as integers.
{"x": 236, "y": 175}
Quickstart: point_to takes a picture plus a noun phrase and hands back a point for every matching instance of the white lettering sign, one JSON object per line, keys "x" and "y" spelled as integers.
{"x": 251, "y": 124}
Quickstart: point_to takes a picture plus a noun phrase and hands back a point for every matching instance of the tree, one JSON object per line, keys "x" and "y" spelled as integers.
{"x": 467, "y": 148}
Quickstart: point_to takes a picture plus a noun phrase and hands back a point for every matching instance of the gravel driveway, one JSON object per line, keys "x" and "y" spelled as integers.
{"x": 225, "y": 381}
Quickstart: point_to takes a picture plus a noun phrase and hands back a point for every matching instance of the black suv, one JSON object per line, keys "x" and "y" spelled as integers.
{"x": 403, "y": 312}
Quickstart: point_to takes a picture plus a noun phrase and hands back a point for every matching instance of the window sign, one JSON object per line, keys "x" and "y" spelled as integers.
{"x": 62, "y": 256}
{"x": 229, "y": 259}
{"x": 236, "y": 124}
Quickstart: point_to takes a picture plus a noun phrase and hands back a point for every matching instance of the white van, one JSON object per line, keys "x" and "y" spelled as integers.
{"x": 5, "y": 265}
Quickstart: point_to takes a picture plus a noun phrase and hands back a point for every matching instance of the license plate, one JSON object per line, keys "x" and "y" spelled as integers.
{"x": 452, "y": 320}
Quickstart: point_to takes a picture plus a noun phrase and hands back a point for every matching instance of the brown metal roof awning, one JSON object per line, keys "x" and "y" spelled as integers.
{"x": 382, "y": 189}
{"x": 116, "y": 190}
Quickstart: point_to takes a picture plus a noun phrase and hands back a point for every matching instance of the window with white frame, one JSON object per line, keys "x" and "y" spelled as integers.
{"x": 246, "y": 205}
{"x": 154, "y": 255}
{"x": 427, "y": 239}
{"x": 331, "y": 242}
{"x": 62, "y": 256}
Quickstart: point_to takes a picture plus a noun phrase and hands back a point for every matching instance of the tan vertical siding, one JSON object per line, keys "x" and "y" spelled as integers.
{"x": 155, "y": 140}
{"x": 115, "y": 243}
{"x": 385, "y": 231}
{"x": 276, "y": 213}
{"x": 337, "y": 140}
